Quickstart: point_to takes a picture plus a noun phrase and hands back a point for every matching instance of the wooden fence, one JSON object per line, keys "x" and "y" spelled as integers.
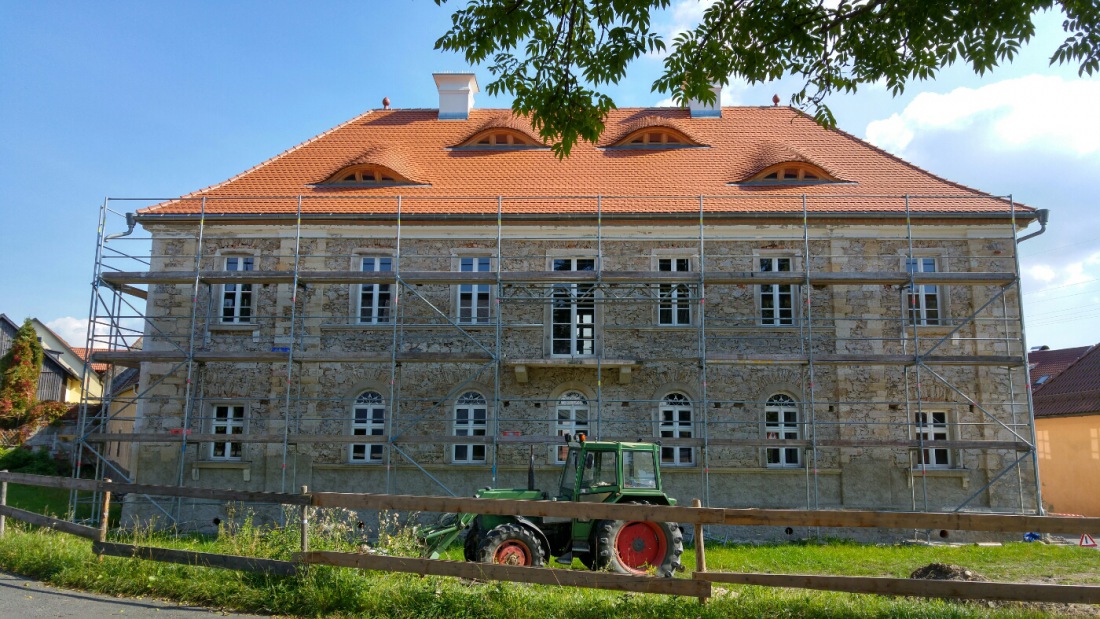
{"x": 699, "y": 585}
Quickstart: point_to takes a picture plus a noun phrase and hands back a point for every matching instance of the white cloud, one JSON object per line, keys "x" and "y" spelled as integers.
{"x": 73, "y": 330}
{"x": 1042, "y": 272}
{"x": 1031, "y": 112}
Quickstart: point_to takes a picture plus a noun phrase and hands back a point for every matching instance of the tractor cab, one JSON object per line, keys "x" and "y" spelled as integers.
{"x": 611, "y": 472}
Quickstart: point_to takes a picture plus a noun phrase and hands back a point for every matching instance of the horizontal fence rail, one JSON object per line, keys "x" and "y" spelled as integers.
{"x": 700, "y": 585}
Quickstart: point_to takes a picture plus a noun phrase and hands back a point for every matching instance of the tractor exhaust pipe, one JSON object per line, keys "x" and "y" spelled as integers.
{"x": 531, "y": 470}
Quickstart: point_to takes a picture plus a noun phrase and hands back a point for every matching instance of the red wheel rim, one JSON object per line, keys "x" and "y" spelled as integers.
{"x": 640, "y": 545}
{"x": 512, "y": 552}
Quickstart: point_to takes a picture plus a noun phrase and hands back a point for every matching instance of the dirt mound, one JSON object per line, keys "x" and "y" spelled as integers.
{"x": 943, "y": 571}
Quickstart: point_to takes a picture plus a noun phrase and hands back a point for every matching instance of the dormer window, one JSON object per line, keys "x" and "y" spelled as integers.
{"x": 793, "y": 172}
{"x": 655, "y": 137}
{"x": 367, "y": 175}
{"x": 501, "y": 139}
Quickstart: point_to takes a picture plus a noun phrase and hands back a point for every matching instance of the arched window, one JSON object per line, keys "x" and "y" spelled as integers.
{"x": 572, "y": 418}
{"x": 471, "y": 412}
{"x": 368, "y": 418}
{"x": 781, "y": 424}
{"x": 793, "y": 172}
{"x": 367, "y": 175}
{"x": 676, "y": 422}
{"x": 654, "y": 136}
{"x": 501, "y": 138}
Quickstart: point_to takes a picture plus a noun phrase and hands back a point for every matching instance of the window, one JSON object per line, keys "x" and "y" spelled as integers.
{"x": 375, "y": 299}
{"x": 368, "y": 418}
{"x": 930, "y": 427}
{"x": 676, "y": 423}
{"x": 572, "y": 418}
{"x": 793, "y": 172}
{"x": 655, "y": 137}
{"x": 776, "y": 300}
{"x": 674, "y": 308}
{"x": 924, "y": 299}
{"x": 474, "y": 299}
{"x": 367, "y": 175}
{"x": 470, "y": 417}
{"x": 573, "y": 312}
{"x": 500, "y": 139}
{"x": 237, "y": 298}
{"x": 781, "y": 424}
{"x": 228, "y": 420}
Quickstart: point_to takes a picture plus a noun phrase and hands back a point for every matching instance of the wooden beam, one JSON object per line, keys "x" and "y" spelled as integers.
{"x": 50, "y": 481}
{"x": 510, "y": 573}
{"x": 901, "y": 360}
{"x": 200, "y": 559}
{"x": 1028, "y": 592}
{"x": 133, "y": 357}
{"x": 216, "y": 494}
{"x": 50, "y": 523}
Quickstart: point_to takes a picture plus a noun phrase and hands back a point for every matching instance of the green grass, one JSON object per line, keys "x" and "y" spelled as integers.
{"x": 66, "y": 561}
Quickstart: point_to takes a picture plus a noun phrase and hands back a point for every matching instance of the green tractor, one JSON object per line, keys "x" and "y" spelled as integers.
{"x": 594, "y": 472}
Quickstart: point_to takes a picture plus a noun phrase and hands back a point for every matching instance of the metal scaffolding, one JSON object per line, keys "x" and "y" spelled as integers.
{"x": 125, "y": 333}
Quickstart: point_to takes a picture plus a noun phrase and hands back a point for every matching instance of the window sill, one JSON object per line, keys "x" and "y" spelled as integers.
{"x": 242, "y": 328}
{"x": 963, "y": 475}
{"x": 223, "y": 464}
{"x": 347, "y": 466}
{"x": 801, "y": 472}
{"x": 651, "y": 328}
{"x": 366, "y": 326}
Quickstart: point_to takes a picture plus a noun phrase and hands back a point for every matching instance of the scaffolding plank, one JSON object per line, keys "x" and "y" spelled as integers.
{"x": 794, "y": 278}
{"x": 826, "y": 359}
{"x": 201, "y": 559}
{"x": 134, "y": 357}
{"x": 1065, "y": 594}
{"x": 509, "y": 573}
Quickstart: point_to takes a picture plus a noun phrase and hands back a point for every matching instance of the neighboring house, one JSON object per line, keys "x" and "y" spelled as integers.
{"x": 1067, "y": 426}
{"x": 412, "y": 300}
{"x": 1045, "y": 364}
{"x": 59, "y": 379}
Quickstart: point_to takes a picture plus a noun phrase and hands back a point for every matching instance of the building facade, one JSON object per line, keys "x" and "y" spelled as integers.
{"x": 418, "y": 301}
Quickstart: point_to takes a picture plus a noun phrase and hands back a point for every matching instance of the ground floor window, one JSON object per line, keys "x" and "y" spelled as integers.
{"x": 781, "y": 423}
{"x": 470, "y": 420}
{"x": 228, "y": 421}
{"x": 368, "y": 418}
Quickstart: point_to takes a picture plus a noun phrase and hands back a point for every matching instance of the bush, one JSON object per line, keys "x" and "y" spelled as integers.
{"x": 36, "y": 462}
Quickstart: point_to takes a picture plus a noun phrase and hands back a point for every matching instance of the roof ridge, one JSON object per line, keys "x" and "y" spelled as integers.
{"x": 908, "y": 164}
{"x": 263, "y": 163}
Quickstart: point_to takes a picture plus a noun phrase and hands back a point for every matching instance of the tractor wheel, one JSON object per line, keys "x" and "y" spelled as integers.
{"x": 639, "y": 547}
{"x": 469, "y": 547}
{"x": 511, "y": 544}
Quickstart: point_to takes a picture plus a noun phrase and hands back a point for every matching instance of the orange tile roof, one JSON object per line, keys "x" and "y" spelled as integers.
{"x": 417, "y": 145}
{"x": 84, "y": 353}
{"x": 1074, "y": 391}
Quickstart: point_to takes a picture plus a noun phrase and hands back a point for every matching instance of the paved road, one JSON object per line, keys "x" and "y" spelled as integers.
{"x": 25, "y": 599}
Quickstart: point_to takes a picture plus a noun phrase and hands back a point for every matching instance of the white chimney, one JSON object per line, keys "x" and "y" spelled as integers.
{"x": 456, "y": 94}
{"x": 703, "y": 110}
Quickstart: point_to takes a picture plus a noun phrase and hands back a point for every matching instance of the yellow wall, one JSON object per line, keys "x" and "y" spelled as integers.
{"x": 1069, "y": 463}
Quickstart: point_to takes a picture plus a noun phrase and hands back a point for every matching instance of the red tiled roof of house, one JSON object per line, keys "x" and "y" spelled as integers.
{"x": 84, "y": 353}
{"x": 1075, "y": 391}
{"x": 457, "y": 181}
{"x": 1051, "y": 363}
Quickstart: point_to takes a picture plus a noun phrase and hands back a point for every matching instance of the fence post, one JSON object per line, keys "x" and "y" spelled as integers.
{"x": 305, "y": 522}
{"x": 3, "y": 501}
{"x": 106, "y": 510}
{"x": 700, "y": 548}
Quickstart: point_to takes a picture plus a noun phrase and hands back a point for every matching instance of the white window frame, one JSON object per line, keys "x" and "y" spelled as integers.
{"x": 918, "y": 305}
{"x": 369, "y": 402}
{"x": 773, "y": 293}
{"x": 569, "y": 404}
{"x": 374, "y": 313}
{"x": 466, "y": 313}
{"x": 232, "y": 424}
{"x": 238, "y": 299}
{"x": 932, "y": 426}
{"x": 672, "y": 424}
{"x": 783, "y": 406}
{"x": 674, "y": 299}
{"x": 582, "y": 335}
{"x": 467, "y": 423}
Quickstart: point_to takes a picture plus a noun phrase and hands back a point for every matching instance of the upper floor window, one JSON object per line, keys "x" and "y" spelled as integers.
{"x": 793, "y": 172}
{"x": 228, "y": 420}
{"x": 573, "y": 312}
{"x": 237, "y": 298}
{"x": 368, "y": 418}
{"x": 375, "y": 299}
{"x": 652, "y": 132}
{"x": 501, "y": 138}
{"x": 776, "y": 301}
{"x": 474, "y": 300}
{"x": 367, "y": 175}
{"x": 931, "y": 427}
{"x": 674, "y": 307}
{"x": 676, "y": 422}
{"x": 471, "y": 412}
{"x": 781, "y": 424}
{"x": 923, "y": 299}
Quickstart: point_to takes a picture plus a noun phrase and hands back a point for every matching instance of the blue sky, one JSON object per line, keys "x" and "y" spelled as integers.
{"x": 138, "y": 99}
